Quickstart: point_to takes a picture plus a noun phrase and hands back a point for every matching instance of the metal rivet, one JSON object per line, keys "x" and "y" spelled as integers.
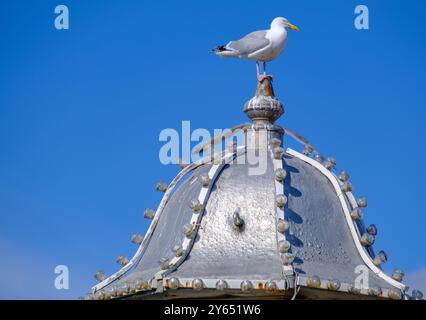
{"x": 246, "y": 285}
{"x": 362, "y": 202}
{"x": 161, "y": 186}
{"x": 372, "y": 229}
{"x": 280, "y": 200}
{"x": 174, "y": 283}
{"x": 308, "y": 149}
{"x": 197, "y": 284}
{"x": 136, "y": 238}
{"x": 380, "y": 258}
{"x": 122, "y": 260}
{"x": 188, "y": 229}
{"x": 394, "y": 294}
{"x": 353, "y": 289}
{"x": 275, "y": 142}
{"x": 313, "y": 282}
{"x": 149, "y": 214}
{"x": 237, "y": 220}
{"x": 319, "y": 158}
{"x": 282, "y": 225}
{"x": 280, "y": 174}
{"x": 141, "y": 285}
{"x": 367, "y": 239}
{"x": 178, "y": 250}
{"x": 330, "y": 163}
{"x": 356, "y": 213}
{"x": 343, "y": 176}
{"x": 278, "y": 153}
{"x": 375, "y": 291}
{"x": 333, "y": 284}
{"x": 271, "y": 285}
{"x": 221, "y": 285}
{"x": 398, "y": 275}
{"x": 164, "y": 263}
{"x": 287, "y": 258}
{"x": 124, "y": 290}
{"x": 346, "y": 187}
{"x": 111, "y": 292}
{"x": 100, "y": 275}
{"x": 195, "y": 205}
{"x": 283, "y": 246}
{"x": 416, "y": 295}
{"x": 205, "y": 180}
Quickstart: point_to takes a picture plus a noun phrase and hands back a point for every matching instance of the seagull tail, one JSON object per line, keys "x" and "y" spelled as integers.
{"x": 223, "y": 51}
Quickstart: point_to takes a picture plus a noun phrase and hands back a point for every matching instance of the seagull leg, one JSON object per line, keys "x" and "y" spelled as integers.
{"x": 261, "y": 77}
{"x": 257, "y": 68}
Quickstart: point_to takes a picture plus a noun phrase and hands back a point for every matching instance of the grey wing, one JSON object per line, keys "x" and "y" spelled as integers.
{"x": 250, "y": 43}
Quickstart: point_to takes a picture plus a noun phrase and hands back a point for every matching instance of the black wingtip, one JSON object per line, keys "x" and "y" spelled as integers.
{"x": 219, "y": 49}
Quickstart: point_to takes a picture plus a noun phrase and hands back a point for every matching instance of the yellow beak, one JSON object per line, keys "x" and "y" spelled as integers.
{"x": 293, "y": 27}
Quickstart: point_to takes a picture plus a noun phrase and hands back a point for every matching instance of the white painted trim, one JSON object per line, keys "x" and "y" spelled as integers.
{"x": 365, "y": 257}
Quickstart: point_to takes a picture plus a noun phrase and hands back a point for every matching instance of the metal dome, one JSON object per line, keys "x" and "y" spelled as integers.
{"x": 292, "y": 230}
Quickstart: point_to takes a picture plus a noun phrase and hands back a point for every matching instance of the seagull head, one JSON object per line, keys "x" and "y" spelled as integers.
{"x": 282, "y": 23}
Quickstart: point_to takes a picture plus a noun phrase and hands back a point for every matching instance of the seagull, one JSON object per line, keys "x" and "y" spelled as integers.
{"x": 263, "y": 45}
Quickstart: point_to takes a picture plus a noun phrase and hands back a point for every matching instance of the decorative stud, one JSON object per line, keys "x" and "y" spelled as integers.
{"x": 398, "y": 275}
{"x": 124, "y": 290}
{"x": 394, "y": 294}
{"x": 333, "y": 284}
{"x": 271, "y": 285}
{"x": 246, "y": 286}
{"x": 330, "y": 163}
{"x": 161, "y": 186}
{"x": 164, "y": 263}
{"x": 287, "y": 258}
{"x": 197, "y": 284}
{"x": 205, "y": 180}
{"x": 178, "y": 250}
{"x": 346, "y": 187}
{"x": 319, "y": 158}
{"x": 282, "y": 225}
{"x": 313, "y": 282}
{"x": 195, "y": 205}
{"x": 278, "y": 153}
{"x": 275, "y": 142}
{"x": 367, "y": 239}
{"x": 149, "y": 214}
{"x": 353, "y": 289}
{"x": 141, "y": 285}
{"x": 237, "y": 220}
{"x": 280, "y": 200}
{"x": 122, "y": 260}
{"x": 356, "y": 214}
{"x": 280, "y": 174}
{"x": 136, "y": 238}
{"x": 100, "y": 275}
{"x": 308, "y": 149}
{"x": 374, "y": 291}
{"x": 416, "y": 295}
{"x": 372, "y": 229}
{"x": 380, "y": 258}
{"x": 111, "y": 293}
{"x": 174, "y": 283}
{"x": 362, "y": 202}
{"x": 221, "y": 285}
{"x": 343, "y": 176}
{"x": 283, "y": 246}
{"x": 188, "y": 229}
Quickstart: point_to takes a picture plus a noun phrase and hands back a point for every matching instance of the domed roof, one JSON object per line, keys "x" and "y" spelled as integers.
{"x": 257, "y": 221}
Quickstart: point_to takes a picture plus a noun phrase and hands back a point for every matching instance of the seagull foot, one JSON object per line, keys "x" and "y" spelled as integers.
{"x": 261, "y": 77}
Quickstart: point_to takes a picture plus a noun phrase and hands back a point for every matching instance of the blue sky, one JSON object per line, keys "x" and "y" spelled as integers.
{"x": 81, "y": 111}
